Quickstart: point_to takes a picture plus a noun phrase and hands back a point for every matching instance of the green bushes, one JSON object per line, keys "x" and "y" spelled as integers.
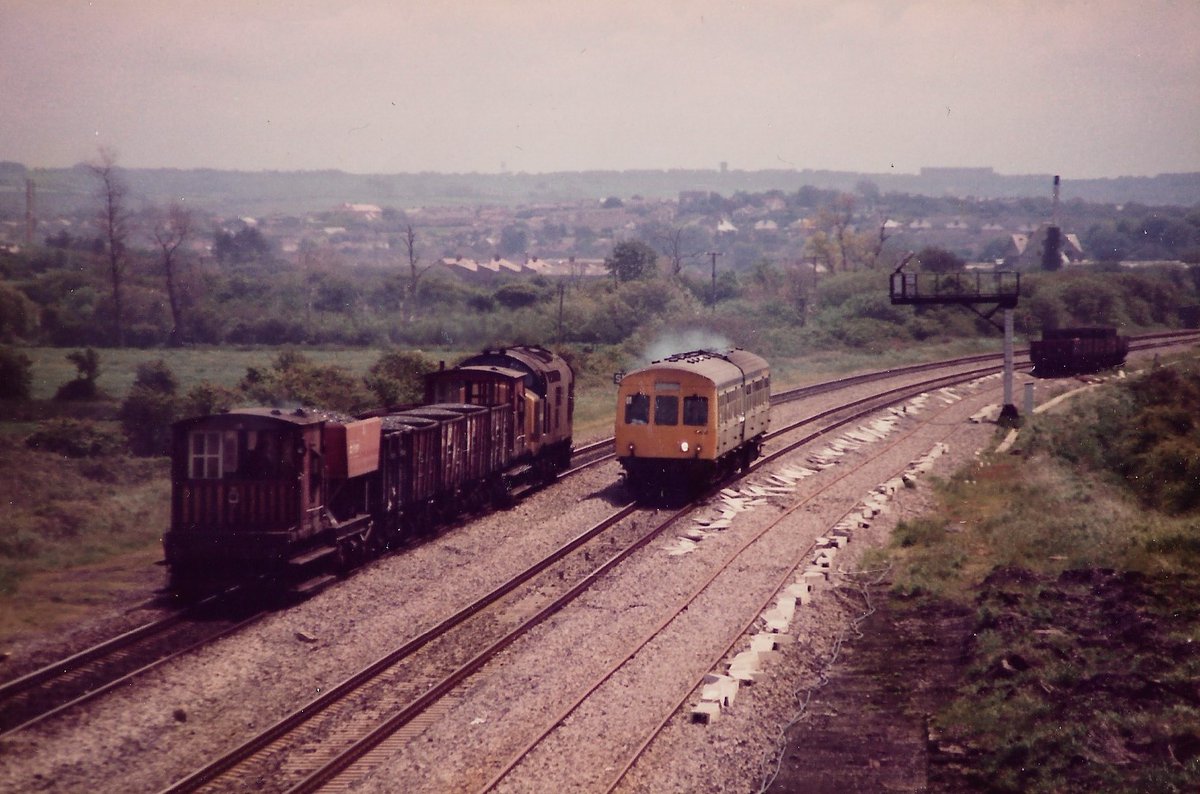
{"x": 149, "y": 409}
{"x": 1145, "y": 434}
{"x": 18, "y": 315}
{"x": 16, "y": 374}
{"x": 293, "y": 378}
{"x": 74, "y": 438}
{"x": 398, "y": 377}
{"x": 83, "y": 387}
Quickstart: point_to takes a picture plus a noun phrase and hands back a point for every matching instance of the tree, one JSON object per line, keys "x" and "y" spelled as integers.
{"x": 673, "y": 248}
{"x": 517, "y": 296}
{"x": 995, "y": 249}
{"x": 415, "y": 271}
{"x": 209, "y": 398}
{"x": 631, "y": 260}
{"x": 149, "y": 409}
{"x": 246, "y": 245}
{"x": 939, "y": 260}
{"x": 16, "y": 374}
{"x": 833, "y": 223}
{"x": 18, "y": 314}
{"x": 398, "y": 378}
{"x": 295, "y": 379}
{"x": 1106, "y": 243}
{"x": 513, "y": 240}
{"x": 868, "y": 190}
{"x": 171, "y": 231}
{"x": 114, "y": 221}
{"x": 87, "y": 369}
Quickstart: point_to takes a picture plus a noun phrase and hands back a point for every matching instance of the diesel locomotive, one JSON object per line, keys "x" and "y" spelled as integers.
{"x": 304, "y": 495}
{"x": 691, "y": 419}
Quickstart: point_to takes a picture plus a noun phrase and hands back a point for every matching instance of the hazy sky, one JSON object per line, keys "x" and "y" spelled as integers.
{"x": 1085, "y": 88}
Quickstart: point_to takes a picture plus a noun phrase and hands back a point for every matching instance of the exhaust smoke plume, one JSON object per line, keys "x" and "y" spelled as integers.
{"x": 683, "y": 342}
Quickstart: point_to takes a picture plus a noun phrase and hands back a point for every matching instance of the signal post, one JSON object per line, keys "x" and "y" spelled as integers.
{"x": 983, "y": 293}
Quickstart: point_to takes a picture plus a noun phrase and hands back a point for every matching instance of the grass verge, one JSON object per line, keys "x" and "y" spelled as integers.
{"x": 1082, "y": 670}
{"x": 64, "y": 522}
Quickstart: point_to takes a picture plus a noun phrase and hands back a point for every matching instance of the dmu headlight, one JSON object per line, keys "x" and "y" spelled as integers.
{"x": 683, "y": 446}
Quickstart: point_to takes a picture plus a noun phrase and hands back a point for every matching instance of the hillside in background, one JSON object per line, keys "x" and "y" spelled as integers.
{"x": 255, "y": 193}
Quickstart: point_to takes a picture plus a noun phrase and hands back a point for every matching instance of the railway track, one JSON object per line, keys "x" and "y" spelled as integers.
{"x": 76, "y": 680}
{"x": 342, "y": 734}
{"x": 728, "y": 567}
{"x": 85, "y": 676}
{"x": 601, "y": 450}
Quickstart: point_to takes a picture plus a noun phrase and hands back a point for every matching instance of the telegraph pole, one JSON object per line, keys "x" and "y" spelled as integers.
{"x": 714, "y": 255}
{"x": 562, "y": 290}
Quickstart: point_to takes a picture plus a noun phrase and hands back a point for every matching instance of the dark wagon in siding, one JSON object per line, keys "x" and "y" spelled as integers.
{"x": 1073, "y": 351}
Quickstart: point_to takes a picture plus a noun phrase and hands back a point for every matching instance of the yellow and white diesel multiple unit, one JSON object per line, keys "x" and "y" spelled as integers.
{"x": 691, "y": 418}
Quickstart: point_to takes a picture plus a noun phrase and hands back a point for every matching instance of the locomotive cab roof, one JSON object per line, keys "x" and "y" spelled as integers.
{"x": 721, "y": 368}
{"x": 298, "y": 417}
{"x": 539, "y": 366}
{"x": 479, "y": 369}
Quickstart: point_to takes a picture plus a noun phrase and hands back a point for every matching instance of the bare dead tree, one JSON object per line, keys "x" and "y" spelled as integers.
{"x": 415, "y": 271}
{"x": 672, "y": 245}
{"x": 114, "y": 222}
{"x": 171, "y": 231}
{"x": 839, "y": 216}
{"x": 882, "y": 241}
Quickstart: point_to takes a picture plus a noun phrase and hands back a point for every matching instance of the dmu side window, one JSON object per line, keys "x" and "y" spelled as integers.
{"x": 695, "y": 411}
{"x": 666, "y": 410}
{"x": 204, "y": 460}
{"x": 637, "y": 409}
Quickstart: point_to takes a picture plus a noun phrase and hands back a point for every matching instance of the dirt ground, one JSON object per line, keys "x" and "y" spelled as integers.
{"x": 867, "y": 727}
{"x": 1104, "y": 659}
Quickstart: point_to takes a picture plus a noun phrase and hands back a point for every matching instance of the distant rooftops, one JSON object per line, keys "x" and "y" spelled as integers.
{"x": 554, "y": 268}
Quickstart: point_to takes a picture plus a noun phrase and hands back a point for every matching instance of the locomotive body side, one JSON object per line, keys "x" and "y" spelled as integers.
{"x": 541, "y": 389}
{"x": 691, "y": 419}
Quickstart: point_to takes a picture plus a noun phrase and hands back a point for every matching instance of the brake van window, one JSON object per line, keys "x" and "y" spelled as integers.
{"x": 637, "y": 409}
{"x": 695, "y": 411}
{"x": 666, "y": 410}
{"x": 204, "y": 462}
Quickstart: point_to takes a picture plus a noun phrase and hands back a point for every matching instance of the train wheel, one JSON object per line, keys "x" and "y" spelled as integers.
{"x": 187, "y": 585}
{"x": 501, "y": 493}
{"x": 374, "y": 543}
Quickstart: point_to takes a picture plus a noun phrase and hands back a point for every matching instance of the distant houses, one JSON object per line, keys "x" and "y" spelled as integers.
{"x": 483, "y": 270}
{"x": 1025, "y": 250}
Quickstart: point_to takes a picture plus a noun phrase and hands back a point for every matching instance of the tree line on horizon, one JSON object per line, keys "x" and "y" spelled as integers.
{"x": 136, "y": 283}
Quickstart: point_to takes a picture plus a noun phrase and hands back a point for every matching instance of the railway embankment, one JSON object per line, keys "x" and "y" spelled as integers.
{"x": 1039, "y": 630}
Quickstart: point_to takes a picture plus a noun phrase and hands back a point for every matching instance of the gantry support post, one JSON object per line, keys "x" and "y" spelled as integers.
{"x": 1001, "y": 291}
{"x": 1008, "y": 413}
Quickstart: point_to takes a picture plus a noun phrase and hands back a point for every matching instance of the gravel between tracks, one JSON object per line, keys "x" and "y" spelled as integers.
{"x": 175, "y": 718}
{"x": 506, "y": 707}
{"x": 171, "y": 722}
